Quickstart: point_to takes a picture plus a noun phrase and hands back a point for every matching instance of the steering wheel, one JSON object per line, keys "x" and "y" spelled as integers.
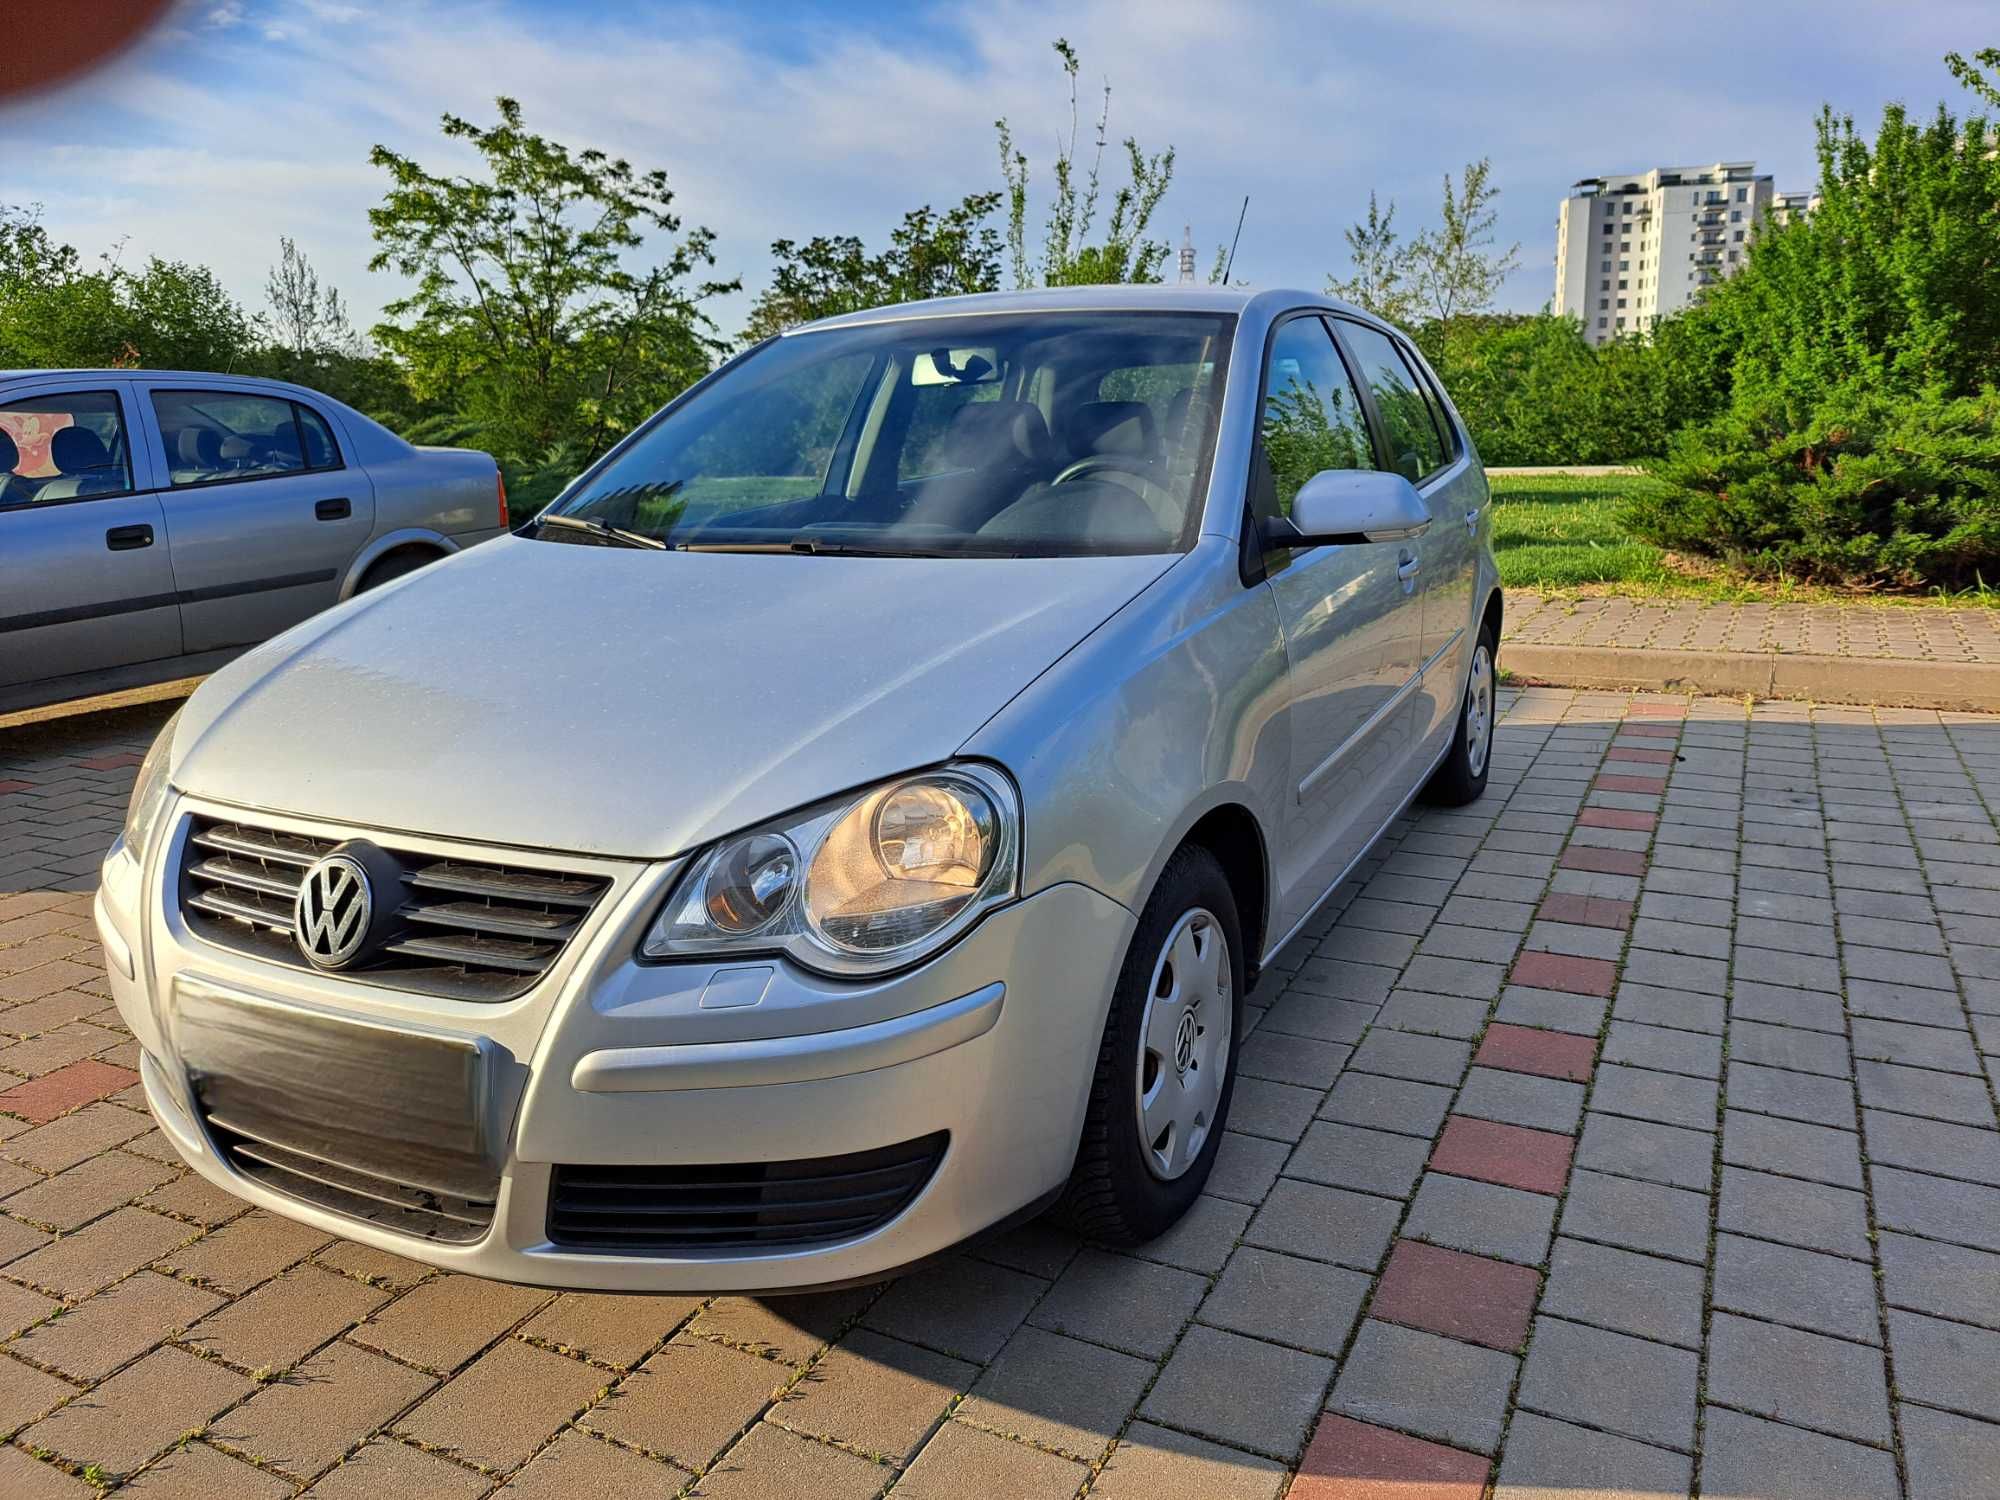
{"x": 1157, "y": 496}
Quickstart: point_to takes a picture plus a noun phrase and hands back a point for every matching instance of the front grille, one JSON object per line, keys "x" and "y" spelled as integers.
{"x": 469, "y": 930}
{"x": 427, "y": 1212}
{"x": 710, "y": 1210}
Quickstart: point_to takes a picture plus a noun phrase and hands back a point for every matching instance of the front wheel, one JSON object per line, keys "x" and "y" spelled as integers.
{"x": 1462, "y": 775}
{"x": 1167, "y": 1066}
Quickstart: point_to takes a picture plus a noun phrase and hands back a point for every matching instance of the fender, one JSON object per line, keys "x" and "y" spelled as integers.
{"x": 418, "y": 536}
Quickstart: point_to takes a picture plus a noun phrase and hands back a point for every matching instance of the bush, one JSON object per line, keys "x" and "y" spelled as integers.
{"x": 1532, "y": 390}
{"x": 1876, "y": 490}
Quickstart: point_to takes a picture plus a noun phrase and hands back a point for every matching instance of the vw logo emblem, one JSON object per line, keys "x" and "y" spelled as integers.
{"x": 1184, "y": 1042}
{"x": 330, "y": 919}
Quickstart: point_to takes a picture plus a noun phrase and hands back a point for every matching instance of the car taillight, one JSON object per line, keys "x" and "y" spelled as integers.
{"x": 500, "y": 484}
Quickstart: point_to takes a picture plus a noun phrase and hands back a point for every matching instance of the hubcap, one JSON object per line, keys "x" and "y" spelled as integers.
{"x": 1184, "y": 1044}
{"x": 1479, "y": 710}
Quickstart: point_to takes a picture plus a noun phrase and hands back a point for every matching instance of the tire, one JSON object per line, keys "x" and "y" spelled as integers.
{"x": 1462, "y": 776}
{"x": 1124, "y": 1189}
{"x": 395, "y": 565}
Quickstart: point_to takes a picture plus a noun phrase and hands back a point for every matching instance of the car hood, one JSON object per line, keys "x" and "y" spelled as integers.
{"x": 622, "y": 702}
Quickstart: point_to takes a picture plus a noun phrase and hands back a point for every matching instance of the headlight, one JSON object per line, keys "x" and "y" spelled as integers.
{"x": 868, "y": 883}
{"x": 149, "y": 792}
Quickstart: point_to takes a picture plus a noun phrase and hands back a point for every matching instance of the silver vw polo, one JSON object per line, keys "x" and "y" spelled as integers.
{"x": 847, "y": 821}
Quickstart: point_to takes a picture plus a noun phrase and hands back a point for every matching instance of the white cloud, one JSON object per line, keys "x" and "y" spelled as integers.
{"x": 210, "y": 146}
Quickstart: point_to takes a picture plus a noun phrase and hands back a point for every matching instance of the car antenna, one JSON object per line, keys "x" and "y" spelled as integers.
{"x": 1241, "y": 213}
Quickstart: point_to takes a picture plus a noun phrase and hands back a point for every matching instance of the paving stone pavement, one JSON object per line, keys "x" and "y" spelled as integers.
{"x": 1631, "y": 1132}
{"x": 1916, "y": 633}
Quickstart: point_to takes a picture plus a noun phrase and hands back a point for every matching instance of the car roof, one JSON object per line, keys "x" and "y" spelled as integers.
{"x": 1157, "y": 297}
{"x": 255, "y": 382}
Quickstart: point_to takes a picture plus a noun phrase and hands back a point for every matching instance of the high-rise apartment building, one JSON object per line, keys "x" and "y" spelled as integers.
{"x": 1632, "y": 249}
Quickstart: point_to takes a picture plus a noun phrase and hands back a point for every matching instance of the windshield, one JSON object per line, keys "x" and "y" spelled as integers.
{"x": 1036, "y": 435}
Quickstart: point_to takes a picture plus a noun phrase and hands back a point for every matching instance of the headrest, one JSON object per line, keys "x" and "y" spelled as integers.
{"x": 1124, "y": 428}
{"x": 1002, "y": 432}
{"x": 74, "y": 449}
{"x": 200, "y": 447}
{"x": 10, "y": 455}
{"x": 235, "y": 449}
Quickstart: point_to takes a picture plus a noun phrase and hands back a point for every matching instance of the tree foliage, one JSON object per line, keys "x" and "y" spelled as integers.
{"x": 929, "y": 255}
{"x": 306, "y": 318}
{"x": 1381, "y": 279}
{"x": 56, "y": 312}
{"x": 1444, "y": 274}
{"x": 1069, "y": 257}
{"x": 530, "y": 309}
{"x": 1860, "y": 440}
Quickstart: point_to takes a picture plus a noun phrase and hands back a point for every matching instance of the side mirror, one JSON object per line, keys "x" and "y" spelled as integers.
{"x": 1350, "y": 505}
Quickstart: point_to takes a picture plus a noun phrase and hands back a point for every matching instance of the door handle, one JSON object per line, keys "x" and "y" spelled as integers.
{"x": 1407, "y": 568}
{"x": 126, "y": 538}
{"x": 1472, "y": 520}
{"x": 332, "y": 510}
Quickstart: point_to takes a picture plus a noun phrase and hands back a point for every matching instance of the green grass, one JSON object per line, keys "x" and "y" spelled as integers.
{"x": 1560, "y": 535}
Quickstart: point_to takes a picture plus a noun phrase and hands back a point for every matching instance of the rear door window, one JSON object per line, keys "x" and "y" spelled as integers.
{"x": 212, "y": 437}
{"x": 1416, "y": 446}
{"x": 67, "y": 446}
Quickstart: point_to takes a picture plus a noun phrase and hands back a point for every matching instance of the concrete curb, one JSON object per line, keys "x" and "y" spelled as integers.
{"x": 1882, "y": 681}
{"x": 1559, "y": 471}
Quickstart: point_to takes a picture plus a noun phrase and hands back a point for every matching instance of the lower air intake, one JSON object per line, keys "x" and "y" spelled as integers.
{"x": 741, "y": 1206}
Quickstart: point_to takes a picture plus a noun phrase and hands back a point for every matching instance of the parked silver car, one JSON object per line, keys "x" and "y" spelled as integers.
{"x": 932, "y": 721}
{"x": 154, "y": 523}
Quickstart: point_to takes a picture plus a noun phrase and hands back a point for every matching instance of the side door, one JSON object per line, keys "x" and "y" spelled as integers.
{"x": 265, "y": 511}
{"x": 85, "y": 576}
{"x": 1351, "y": 616}
{"x": 1427, "y": 447}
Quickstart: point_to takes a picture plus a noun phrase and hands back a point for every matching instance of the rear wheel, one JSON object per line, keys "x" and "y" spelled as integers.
{"x": 1167, "y": 1066}
{"x": 1462, "y": 776}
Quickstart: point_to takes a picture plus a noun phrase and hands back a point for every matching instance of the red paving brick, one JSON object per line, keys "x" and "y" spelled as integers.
{"x": 111, "y": 762}
{"x": 1536, "y": 1161}
{"x": 42, "y": 1099}
{"x": 1658, "y": 710}
{"x": 1524, "y": 1049}
{"x": 1610, "y": 783}
{"x": 15, "y": 786}
{"x": 1566, "y": 972}
{"x": 1349, "y": 1460}
{"x": 1617, "y": 817}
{"x": 1647, "y": 757}
{"x": 1656, "y": 731}
{"x": 1463, "y": 1296}
{"x": 1585, "y": 911}
{"x": 1603, "y": 861}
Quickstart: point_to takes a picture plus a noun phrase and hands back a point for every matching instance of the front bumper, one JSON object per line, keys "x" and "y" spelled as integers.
{"x": 612, "y": 1063}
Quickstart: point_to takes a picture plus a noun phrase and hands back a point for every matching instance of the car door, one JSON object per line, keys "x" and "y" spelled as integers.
{"x": 1351, "y": 616}
{"x": 1425, "y": 445}
{"x": 265, "y": 511}
{"x": 86, "y": 581}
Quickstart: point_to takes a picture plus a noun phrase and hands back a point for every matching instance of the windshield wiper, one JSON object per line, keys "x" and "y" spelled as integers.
{"x": 817, "y": 547}
{"x": 603, "y": 531}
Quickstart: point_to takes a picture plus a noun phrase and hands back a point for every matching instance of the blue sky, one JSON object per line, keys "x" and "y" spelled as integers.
{"x": 248, "y": 119}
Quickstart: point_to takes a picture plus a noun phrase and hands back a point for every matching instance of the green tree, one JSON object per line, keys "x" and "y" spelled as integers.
{"x": 1860, "y": 443}
{"x": 1456, "y": 270}
{"x": 1381, "y": 278}
{"x": 929, "y": 255}
{"x": 530, "y": 310}
{"x": 166, "y": 315}
{"x": 1446, "y": 273}
{"x": 306, "y": 318}
{"x": 1068, "y": 256}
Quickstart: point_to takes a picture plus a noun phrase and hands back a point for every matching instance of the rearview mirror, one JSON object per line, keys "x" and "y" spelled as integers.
{"x": 1350, "y": 505}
